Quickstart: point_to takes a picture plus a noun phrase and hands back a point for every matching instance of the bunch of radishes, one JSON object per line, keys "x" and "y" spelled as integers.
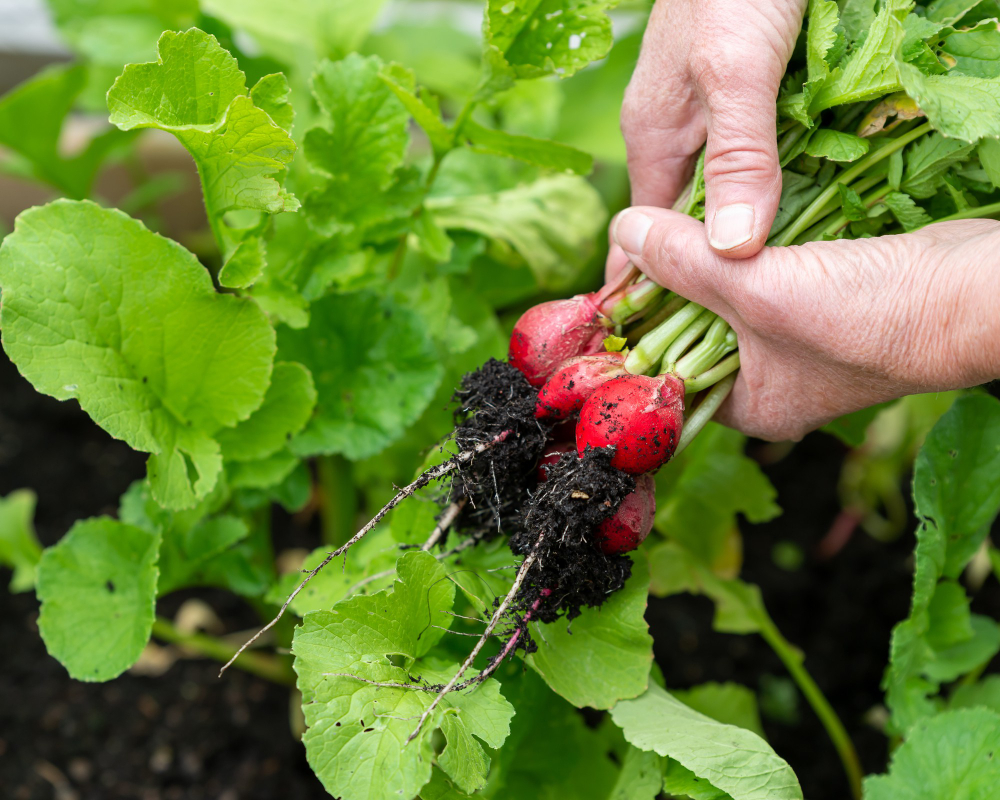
{"x": 633, "y": 401}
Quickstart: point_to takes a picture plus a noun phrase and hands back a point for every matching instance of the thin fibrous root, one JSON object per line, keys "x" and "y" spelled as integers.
{"x": 447, "y": 518}
{"x": 420, "y": 482}
{"x": 497, "y": 615}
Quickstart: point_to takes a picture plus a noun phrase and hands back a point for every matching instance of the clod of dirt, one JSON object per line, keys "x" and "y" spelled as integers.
{"x": 496, "y": 401}
{"x": 580, "y": 493}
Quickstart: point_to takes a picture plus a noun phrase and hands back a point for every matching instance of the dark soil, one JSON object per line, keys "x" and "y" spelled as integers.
{"x": 188, "y": 735}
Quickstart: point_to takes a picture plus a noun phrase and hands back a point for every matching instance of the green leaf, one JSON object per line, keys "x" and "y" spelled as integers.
{"x": 852, "y": 428}
{"x": 98, "y": 308}
{"x": 856, "y": 17}
{"x": 402, "y": 82}
{"x": 531, "y": 39}
{"x": 871, "y": 70}
{"x": 244, "y": 265}
{"x": 31, "y": 121}
{"x": 836, "y": 145}
{"x": 270, "y": 94}
{"x": 927, "y": 161}
{"x": 984, "y": 693}
{"x": 690, "y": 506}
{"x": 359, "y": 150}
{"x": 957, "y": 106}
{"x": 262, "y": 473}
{"x": 97, "y": 587}
{"x": 604, "y": 654}
{"x": 641, "y": 777}
{"x": 195, "y": 91}
{"x": 948, "y": 12}
{"x": 356, "y": 730}
{"x": 19, "y": 547}
{"x": 551, "y": 223}
{"x": 541, "y": 152}
{"x": 286, "y": 409}
{"x": 951, "y": 755}
{"x": 910, "y": 215}
{"x": 185, "y": 552}
{"x": 989, "y": 158}
{"x": 385, "y": 373}
{"x": 732, "y": 759}
{"x": 729, "y": 703}
{"x": 956, "y": 500}
{"x": 854, "y": 209}
{"x": 973, "y": 52}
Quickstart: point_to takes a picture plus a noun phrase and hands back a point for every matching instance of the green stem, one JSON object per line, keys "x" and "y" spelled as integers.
{"x": 214, "y": 220}
{"x": 634, "y": 299}
{"x": 841, "y": 221}
{"x": 792, "y": 659}
{"x": 807, "y": 217}
{"x": 690, "y": 335}
{"x": 670, "y": 305}
{"x": 270, "y": 668}
{"x": 972, "y": 213}
{"x": 650, "y": 348}
{"x": 713, "y": 375}
{"x": 338, "y": 504}
{"x": 704, "y": 411}
{"x": 719, "y": 340}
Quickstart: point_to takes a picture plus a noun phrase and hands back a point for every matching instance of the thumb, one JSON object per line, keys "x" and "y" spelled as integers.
{"x": 742, "y": 174}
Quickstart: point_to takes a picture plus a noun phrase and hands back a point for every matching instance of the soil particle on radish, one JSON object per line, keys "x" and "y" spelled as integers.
{"x": 580, "y": 493}
{"x": 496, "y": 401}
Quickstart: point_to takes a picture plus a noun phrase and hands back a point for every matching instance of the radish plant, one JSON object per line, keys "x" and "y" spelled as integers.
{"x": 374, "y": 230}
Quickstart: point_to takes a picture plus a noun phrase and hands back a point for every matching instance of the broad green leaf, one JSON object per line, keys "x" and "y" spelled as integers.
{"x": 359, "y": 149}
{"x": 541, "y": 152}
{"x": 910, "y": 215}
{"x": 384, "y": 374}
{"x": 31, "y": 121}
{"x": 442, "y": 788}
{"x": 856, "y": 17}
{"x": 854, "y": 209}
{"x": 729, "y": 703}
{"x": 797, "y": 192}
{"x": 732, "y": 759}
{"x": 821, "y": 36}
{"x": 871, "y": 70}
{"x": 286, "y": 409}
{"x": 948, "y": 12}
{"x": 98, "y": 308}
{"x": 355, "y": 729}
{"x": 184, "y": 552}
{"x": 97, "y": 587}
{"x": 403, "y": 84}
{"x": 531, "y": 39}
{"x": 195, "y": 91}
{"x": 690, "y": 506}
{"x": 973, "y": 52}
{"x": 952, "y": 755}
{"x": 641, "y": 777}
{"x": 836, "y": 145}
{"x": 956, "y": 498}
{"x": 551, "y": 223}
{"x": 984, "y": 693}
{"x": 270, "y": 94}
{"x": 262, "y": 473}
{"x": 927, "y": 161}
{"x": 244, "y": 265}
{"x": 604, "y": 654}
{"x": 19, "y": 547}
{"x": 681, "y": 782}
{"x": 956, "y": 105}
{"x": 989, "y": 157}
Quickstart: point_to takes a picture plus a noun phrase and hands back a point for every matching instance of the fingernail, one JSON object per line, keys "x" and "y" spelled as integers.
{"x": 731, "y": 226}
{"x": 630, "y": 231}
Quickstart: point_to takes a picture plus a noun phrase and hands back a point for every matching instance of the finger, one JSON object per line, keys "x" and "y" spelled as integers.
{"x": 672, "y": 249}
{"x": 616, "y": 262}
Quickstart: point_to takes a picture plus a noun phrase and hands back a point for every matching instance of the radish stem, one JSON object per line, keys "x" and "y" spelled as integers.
{"x": 712, "y": 376}
{"x": 650, "y": 348}
{"x": 704, "y": 411}
{"x": 690, "y": 335}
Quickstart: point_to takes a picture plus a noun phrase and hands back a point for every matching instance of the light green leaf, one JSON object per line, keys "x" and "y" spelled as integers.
{"x": 185, "y": 551}
{"x": 856, "y": 17}
{"x": 551, "y": 223}
{"x": 973, "y": 52}
{"x": 984, "y": 693}
{"x": 641, "y": 776}
{"x": 19, "y": 547}
{"x": 195, "y": 91}
{"x": 378, "y": 384}
{"x": 441, "y": 788}
{"x": 956, "y": 105}
{"x": 403, "y": 84}
{"x": 952, "y": 755}
{"x": 31, "y": 121}
{"x": 355, "y": 729}
{"x": 531, "y": 39}
{"x": 821, "y": 36}
{"x": 854, "y": 209}
{"x": 928, "y": 160}
{"x": 989, "y": 158}
{"x": 98, "y": 308}
{"x": 541, "y": 152}
{"x": 871, "y": 70}
{"x": 244, "y": 265}
{"x": 286, "y": 409}
{"x": 690, "y": 506}
{"x": 682, "y": 782}
{"x": 836, "y": 145}
{"x": 270, "y": 94}
{"x": 948, "y": 12}
{"x": 604, "y": 654}
{"x": 262, "y": 473}
{"x": 729, "y": 703}
{"x": 732, "y": 759}
{"x": 910, "y": 215}
{"x": 97, "y": 587}
{"x": 956, "y": 498}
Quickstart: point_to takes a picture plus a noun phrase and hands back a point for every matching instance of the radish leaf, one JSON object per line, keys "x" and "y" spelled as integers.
{"x": 19, "y": 547}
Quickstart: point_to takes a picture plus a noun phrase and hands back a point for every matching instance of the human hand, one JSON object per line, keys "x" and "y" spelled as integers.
{"x": 711, "y": 69}
{"x": 828, "y": 328}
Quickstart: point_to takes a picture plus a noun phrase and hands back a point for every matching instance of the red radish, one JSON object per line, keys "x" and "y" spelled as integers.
{"x": 633, "y": 521}
{"x": 576, "y": 379}
{"x": 549, "y": 333}
{"x": 640, "y": 416}
{"x": 551, "y": 456}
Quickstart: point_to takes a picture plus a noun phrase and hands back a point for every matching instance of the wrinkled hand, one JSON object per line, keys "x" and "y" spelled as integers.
{"x": 828, "y": 328}
{"x": 710, "y": 70}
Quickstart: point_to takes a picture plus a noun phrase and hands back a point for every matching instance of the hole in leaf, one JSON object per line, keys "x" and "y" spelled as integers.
{"x": 110, "y": 586}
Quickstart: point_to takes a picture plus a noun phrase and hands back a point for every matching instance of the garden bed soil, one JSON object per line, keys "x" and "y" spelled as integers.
{"x": 187, "y": 735}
